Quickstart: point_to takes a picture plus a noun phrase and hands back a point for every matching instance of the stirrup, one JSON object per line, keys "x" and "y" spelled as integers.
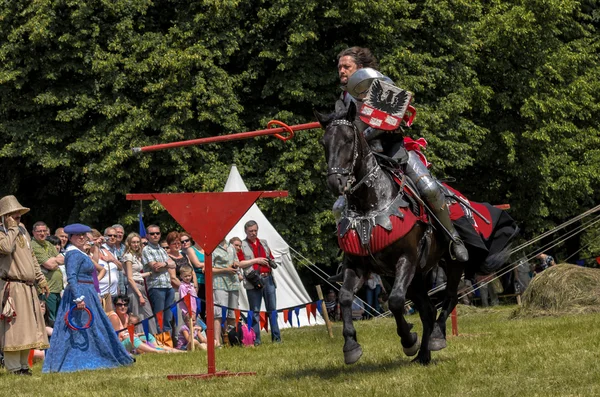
{"x": 458, "y": 244}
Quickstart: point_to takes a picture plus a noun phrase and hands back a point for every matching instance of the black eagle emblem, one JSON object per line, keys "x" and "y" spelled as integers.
{"x": 388, "y": 98}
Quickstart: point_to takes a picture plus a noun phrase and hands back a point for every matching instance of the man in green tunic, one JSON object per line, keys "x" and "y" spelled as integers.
{"x": 49, "y": 260}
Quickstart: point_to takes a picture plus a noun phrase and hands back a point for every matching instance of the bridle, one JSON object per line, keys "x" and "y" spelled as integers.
{"x": 351, "y": 186}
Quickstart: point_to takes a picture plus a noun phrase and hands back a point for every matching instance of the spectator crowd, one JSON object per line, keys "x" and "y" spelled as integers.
{"x": 139, "y": 278}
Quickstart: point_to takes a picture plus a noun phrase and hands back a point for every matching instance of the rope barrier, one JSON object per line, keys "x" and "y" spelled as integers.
{"x": 552, "y": 244}
{"x": 581, "y": 249}
{"x": 310, "y": 264}
{"x": 512, "y": 266}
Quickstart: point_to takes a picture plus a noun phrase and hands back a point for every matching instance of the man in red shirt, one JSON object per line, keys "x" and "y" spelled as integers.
{"x": 256, "y": 255}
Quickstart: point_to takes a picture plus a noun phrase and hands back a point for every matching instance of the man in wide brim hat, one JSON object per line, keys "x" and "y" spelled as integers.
{"x": 22, "y": 325}
{"x": 9, "y": 205}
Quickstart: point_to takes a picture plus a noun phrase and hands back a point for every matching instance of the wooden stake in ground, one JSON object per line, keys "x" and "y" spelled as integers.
{"x": 193, "y": 339}
{"x": 324, "y": 310}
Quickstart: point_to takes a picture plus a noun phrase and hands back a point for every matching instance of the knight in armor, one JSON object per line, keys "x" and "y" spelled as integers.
{"x": 357, "y": 69}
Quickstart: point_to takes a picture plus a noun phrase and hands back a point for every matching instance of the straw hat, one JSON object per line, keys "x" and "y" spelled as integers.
{"x": 10, "y": 204}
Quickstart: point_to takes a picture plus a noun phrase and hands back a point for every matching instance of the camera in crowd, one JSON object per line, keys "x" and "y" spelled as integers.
{"x": 272, "y": 263}
{"x": 253, "y": 277}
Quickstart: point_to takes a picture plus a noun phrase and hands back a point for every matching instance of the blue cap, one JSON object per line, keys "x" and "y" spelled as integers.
{"x": 77, "y": 228}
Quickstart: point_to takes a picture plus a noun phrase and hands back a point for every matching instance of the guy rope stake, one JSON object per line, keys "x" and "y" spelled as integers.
{"x": 283, "y": 128}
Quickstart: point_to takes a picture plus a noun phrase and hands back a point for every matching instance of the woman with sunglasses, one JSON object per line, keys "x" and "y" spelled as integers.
{"x": 196, "y": 257}
{"x": 120, "y": 320}
{"x": 84, "y": 338}
{"x": 139, "y": 304}
{"x": 174, "y": 252}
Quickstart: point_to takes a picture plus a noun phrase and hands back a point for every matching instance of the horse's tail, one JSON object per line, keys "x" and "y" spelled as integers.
{"x": 496, "y": 260}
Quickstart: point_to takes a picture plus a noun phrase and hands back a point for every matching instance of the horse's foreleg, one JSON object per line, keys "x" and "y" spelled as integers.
{"x": 352, "y": 350}
{"x": 454, "y": 273}
{"x": 418, "y": 293}
{"x": 405, "y": 272}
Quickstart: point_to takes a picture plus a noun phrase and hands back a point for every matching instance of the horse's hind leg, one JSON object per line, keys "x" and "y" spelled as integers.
{"x": 454, "y": 273}
{"x": 352, "y": 350}
{"x": 397, "y": 299}
{"x": 418, "y": 293}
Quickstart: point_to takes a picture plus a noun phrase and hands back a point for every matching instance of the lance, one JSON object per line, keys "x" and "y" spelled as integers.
{"x": 283, "y": 132}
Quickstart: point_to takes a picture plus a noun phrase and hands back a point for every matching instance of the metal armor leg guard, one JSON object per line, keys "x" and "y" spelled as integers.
{"x": 432, "y": 193}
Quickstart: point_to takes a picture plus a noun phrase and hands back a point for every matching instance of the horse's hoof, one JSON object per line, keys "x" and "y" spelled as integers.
{"x": 352, "y": 356}
{"x": 437, "y": 332}
{"x": 422, "y": 360}
{"x": 414, "y": 349}
{"x": 436, "y": 344}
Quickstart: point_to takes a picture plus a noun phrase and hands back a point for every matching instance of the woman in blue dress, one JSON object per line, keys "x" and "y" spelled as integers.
{"x": 85, "y": 349}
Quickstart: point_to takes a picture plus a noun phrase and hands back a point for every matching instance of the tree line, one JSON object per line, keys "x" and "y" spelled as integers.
{"x": 507, "y": 95}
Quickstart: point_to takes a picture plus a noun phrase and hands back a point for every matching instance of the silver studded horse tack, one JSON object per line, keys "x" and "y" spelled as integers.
{"x": 368, "y": 179}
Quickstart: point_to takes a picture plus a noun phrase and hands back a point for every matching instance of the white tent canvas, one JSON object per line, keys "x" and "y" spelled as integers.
{"x": 290, "y": 291}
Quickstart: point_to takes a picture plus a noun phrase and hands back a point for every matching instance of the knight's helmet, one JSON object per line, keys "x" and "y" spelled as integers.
{"x": 360, "y": 82}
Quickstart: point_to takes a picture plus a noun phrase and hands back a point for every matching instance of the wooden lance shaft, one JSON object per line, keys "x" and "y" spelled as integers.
{"x": 324, "y": 310}
{"x": 233, "y": 137}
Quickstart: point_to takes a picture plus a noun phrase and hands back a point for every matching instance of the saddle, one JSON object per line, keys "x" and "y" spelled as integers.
{"x": 364, "y": 235}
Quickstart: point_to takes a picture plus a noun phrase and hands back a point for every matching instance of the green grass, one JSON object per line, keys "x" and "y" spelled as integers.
{"x": 492, "y": 356}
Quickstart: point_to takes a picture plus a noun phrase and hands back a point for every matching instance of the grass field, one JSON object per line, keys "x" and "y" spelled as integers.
{"x": 492, "y": 356}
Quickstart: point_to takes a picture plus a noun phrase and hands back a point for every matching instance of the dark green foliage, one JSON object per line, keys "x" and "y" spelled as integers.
{"x": 506, "y": 92}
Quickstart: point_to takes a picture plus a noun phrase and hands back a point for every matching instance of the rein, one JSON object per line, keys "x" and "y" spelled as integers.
{"x": 351, "y": 186}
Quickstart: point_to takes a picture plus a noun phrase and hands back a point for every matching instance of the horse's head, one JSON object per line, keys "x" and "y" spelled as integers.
{"x": 341, "y": 142}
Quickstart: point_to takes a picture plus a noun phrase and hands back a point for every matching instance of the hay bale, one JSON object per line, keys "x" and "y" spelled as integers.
{"x": 562, "y": 289}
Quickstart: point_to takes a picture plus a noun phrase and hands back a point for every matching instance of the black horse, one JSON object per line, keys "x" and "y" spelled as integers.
{"x": 387, "y": 232}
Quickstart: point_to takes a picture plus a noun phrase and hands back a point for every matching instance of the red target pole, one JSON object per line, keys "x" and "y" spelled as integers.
{"x": 287, "y": 130}
{"x": 454, "y": 317}
{"x": 208, "y": 217}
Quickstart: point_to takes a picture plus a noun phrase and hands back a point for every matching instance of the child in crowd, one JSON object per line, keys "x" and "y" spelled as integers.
{"x": 151, "y": 341}
{"x": 185, "y": 338}
{"x": 186, "y": 273}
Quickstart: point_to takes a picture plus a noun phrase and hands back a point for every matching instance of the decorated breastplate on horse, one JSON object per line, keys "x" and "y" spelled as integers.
{"x": 366, "y": 234}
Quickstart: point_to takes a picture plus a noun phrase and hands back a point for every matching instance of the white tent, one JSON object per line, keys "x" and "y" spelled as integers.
{"x": 290, "y": 291}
